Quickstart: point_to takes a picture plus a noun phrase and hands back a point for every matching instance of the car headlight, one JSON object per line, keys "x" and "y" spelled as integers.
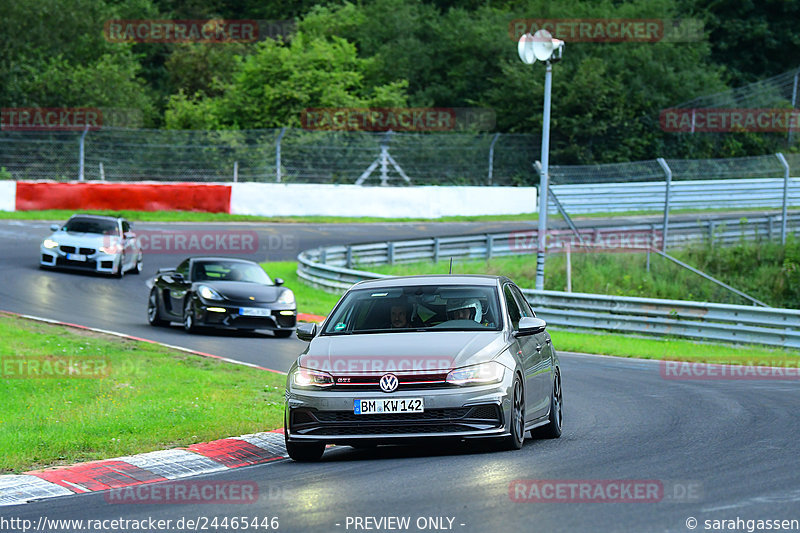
{"x": 305, "y": 377}
{"x": 111, "y": 249}
{"x": 208, "y": 293}
{"x": 490, "y": 372}
{"x": 286, "y": 297}
{"x": 50, "y": 244}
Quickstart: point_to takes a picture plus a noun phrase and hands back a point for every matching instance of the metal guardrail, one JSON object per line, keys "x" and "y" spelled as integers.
{"x": 330, "y": 268}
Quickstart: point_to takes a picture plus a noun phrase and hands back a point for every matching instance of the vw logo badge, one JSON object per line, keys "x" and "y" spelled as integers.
{"x": 389, "y": 383}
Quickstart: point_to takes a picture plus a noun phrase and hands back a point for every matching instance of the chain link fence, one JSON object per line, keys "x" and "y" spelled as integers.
{"x": 271, "y": 155}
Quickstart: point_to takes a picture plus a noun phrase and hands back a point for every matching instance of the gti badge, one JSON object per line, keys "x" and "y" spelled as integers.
{"x": 389, "y": 383}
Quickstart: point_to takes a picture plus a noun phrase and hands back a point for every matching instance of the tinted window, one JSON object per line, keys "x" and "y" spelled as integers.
{"x": 126, "y": 227}
{"x": 514, "y": 312}
{"x": 414, "y": 308}
{"x": 183, "y": 268}
{"x": 524, "y": 306}
{"x": 92, "y": 225}
{"x": 229, "y": 271}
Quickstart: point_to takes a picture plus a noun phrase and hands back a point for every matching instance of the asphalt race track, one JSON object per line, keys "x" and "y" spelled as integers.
{"x": 719, "y": 450}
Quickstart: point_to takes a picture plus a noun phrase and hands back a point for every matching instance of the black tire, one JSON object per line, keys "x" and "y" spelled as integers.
{"x": 283, "y": 333}
{"x": 304, "y": 451}
{"x": 189, "y": 320}
{"x": 556, "y": 420}
{"x": 139, "y": 265}
{"x": 517, "y": 437}
{"x": 153, "y": 314}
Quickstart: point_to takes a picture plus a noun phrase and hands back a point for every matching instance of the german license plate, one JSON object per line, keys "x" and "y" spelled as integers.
{"x": 76, "y": 257}
{"x": 253, "y": 311}
{"x": 386, "y": 405}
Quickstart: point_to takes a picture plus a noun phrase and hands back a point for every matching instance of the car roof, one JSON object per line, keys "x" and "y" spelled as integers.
{"x": 226, "y": 259}
{"x": 96, "y": 217}
{"x": 434, "y": 279}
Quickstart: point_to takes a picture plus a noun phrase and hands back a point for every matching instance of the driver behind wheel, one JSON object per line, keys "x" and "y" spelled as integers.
{"x": 466, "y": 309}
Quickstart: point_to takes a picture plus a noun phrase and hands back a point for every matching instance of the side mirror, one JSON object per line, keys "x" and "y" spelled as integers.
{"x": 278, "y": 281}
{"x": 54, "y": 227}
{"x": 129, "y": 235}
{"x": 529, "y": 325}
{"x": 307, "y": 331}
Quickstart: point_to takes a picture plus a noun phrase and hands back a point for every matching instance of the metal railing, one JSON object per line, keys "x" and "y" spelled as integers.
{"x": 332, "y": 268}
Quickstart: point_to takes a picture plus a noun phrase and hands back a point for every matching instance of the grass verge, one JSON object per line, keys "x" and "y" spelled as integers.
{"x": 123, "y": 397}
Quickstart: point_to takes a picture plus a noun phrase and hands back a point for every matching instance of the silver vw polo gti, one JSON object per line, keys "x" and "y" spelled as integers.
{"x": 406, "y": 359}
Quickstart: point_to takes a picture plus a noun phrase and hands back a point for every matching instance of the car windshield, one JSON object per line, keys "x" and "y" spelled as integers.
{"x": 229, "y": 271}
{"x": 91, "y": 225}
{"x": 416, "y": 308}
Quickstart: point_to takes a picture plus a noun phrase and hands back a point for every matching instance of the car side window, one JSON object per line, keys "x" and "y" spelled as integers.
{"x": 524, "y": 306}
{"x": 126, "y": 227}
{"x": 183, "y": 268}
{"x": 513, "y": 308}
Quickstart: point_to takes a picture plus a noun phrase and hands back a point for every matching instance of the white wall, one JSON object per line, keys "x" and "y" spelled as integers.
{"x": 296, "y": 199}
{"x": 8, "y": 195}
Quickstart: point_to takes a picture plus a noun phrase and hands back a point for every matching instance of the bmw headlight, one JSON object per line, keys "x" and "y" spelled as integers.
{"x": 305, "y": 378}
{"x": 50, "y": 244}
{"x": 208, "y": 293}
{"x": 286, "y": 297}
{"x": 481, "y": 374}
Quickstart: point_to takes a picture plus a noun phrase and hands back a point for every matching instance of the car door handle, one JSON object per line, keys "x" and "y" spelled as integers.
{"x": 538, "y": 347}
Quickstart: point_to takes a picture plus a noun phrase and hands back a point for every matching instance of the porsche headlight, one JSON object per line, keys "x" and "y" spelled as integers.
{"x": 50, "y": 244}
{"x": 305, "y": 378}
{"x": 286, "y": 297}
{"x": 481, "y": 374}
{"x": 208, "y": 293}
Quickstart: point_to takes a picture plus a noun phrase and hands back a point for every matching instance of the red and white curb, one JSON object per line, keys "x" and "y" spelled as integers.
{"x": 152, "y": 467}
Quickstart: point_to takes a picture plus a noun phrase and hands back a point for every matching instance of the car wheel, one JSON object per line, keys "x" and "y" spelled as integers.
{"x": 189, "y": 320}
{"x": 121, "y": 272}
{"x": 282, "y": 333}
{"x": 304, "y": 451}
{"x": 553, "y": 428}
{"x": 153, "y": 314}
{"x": 514, "y": 441}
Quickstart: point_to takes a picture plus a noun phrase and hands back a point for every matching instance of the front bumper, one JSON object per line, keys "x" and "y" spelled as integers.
{"x": 93, "y": 262}
{"x": 450, "y": 412}
{"x": 224, "y": 315}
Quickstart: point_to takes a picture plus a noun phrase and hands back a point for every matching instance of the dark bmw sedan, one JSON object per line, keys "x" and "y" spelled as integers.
{"x": 221, "y": 293}
{"x": 408, "y": 359}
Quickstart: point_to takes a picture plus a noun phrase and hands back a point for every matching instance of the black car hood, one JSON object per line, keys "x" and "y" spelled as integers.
{"x": 244, "y": 292}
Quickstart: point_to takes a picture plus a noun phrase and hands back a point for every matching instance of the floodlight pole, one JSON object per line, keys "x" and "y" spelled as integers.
{"x": 544, "y": 178}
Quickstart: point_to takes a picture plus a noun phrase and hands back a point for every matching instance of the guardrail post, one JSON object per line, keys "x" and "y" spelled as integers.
{"x": 711, "y": 227}
{"x": 278, "y": 155}
{"x": 436, "y": 249}
{"x": 785, "y": 195}
{"x": 769, "y": 232}
{"x": 323, "y": 255}
{"x": 668, "y": 174}
{"x": 390, "y": 252}
{"x": 348, "y": 261}
{"x": 489, "y": 245}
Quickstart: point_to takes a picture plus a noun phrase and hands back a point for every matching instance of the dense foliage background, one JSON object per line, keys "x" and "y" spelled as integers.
{"x": 607, "y": 96}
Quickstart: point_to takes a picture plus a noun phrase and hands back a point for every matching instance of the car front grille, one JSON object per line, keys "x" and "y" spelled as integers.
{"x": 343, "y": 423}
{"x": 72, "y": 250}
{"x": 368, "y": 383}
